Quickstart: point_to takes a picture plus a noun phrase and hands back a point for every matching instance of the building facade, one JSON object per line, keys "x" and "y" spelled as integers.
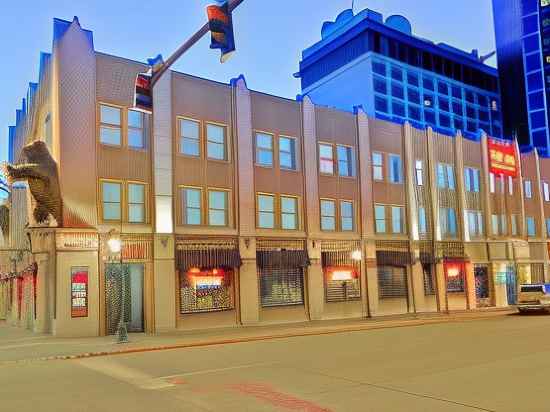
{"x": 236, "y": 207}
{"x": 522, "y": 30}
{"x": 402, "y": 77}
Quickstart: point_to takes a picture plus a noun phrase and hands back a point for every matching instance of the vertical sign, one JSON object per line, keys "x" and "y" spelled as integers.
{"x": 502, "y": 158}
{"x": 79, "y": 292}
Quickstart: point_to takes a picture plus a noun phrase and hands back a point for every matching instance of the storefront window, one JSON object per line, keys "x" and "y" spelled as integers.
{"x": 281, "y": 286}
{"x": 455, "y": 272}
{"x": 392, "y": 282}
{"x": 342, "y": 284}
{"x": 206, "y": 290}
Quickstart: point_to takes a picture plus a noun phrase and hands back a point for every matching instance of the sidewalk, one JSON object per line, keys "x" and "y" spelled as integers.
{"x": 18, "y": 345}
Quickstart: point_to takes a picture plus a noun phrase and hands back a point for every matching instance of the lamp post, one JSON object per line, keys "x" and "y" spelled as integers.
{"x": 114, "y": 244}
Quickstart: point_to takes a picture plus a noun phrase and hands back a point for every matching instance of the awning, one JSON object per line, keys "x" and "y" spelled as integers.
{"x": 208, "y": 258}
{"x": 282, "y": 259}
{"x": 393, "y": 258}
{"x": 427, "y": 258}
{"x": 337, "y": 258}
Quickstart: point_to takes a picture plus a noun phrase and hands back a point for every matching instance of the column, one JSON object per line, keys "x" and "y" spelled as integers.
{"x": 499, "y": 282}
{"x": 42, "y": 322}
{"x": 470, "y": 286}
{"x": 441, "y": 291}
{"x": 419, "y": 298}
{"x": 249, "y": 299}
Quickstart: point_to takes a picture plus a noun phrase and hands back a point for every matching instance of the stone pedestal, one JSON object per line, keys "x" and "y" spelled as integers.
{"x": 315, "y": 282}
{"x": 249, "y": 299}
{"x": 164, "y": 283}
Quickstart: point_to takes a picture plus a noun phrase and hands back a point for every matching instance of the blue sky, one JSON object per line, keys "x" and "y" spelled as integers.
{"x": 270, "y": 36}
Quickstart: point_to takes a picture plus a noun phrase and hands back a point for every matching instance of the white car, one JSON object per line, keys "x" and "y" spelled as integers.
{"x": 534, "y": 298}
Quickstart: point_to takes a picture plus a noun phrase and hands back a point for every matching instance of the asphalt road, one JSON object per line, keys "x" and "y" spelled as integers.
{"x": 500, "y": 364}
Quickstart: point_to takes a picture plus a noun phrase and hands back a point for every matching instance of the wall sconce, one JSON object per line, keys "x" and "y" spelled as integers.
{"x": 247, "y": 242}
{"x": 164, "y": 241}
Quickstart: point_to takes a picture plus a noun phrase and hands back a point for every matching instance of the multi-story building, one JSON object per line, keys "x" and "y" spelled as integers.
{"x": 522, "y": 30}
{"x": 364, "y": 60}
{"x": 239, "y": 208}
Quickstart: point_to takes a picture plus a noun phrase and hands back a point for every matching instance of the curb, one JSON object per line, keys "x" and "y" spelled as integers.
{"x": 319, "y": 332}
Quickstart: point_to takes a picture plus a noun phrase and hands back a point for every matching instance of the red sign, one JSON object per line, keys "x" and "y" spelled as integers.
{"x": 79, "y": 292}
{"x": 502, "y": 158}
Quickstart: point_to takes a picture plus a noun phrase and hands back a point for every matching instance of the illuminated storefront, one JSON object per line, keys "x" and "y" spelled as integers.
{"x": 341, "y": 263}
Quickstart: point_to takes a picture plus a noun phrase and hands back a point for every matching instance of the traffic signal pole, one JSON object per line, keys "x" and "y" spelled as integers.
{"x": 233, "y": 4}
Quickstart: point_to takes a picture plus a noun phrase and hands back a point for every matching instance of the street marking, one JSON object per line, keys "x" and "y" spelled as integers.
{"x": 231, "y": 368}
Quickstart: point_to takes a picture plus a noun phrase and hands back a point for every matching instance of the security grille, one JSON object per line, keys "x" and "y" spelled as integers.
{"x": 456, "y": 283}
{"x": 281, "y": 286}
{"x": 116, "y": 295}
{"x": 392, "y": 282}
{"x": 213, "y": 297}
{"x": 481, "y": 274}
{"x": 339, "y": 291}
{"x": 537, "y": 273}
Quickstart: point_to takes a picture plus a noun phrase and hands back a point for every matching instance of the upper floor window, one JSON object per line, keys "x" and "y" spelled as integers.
{"x": 346, "y": 161}
{"x": 136, "y": 129}
{"x": 397, "y": 219}
{"x": 217, "y": 208}
{"x": 264, "y": 149}
{"x": 136, "y": 203}
{"x": 492, "y": 182}
{"x": 528, "y": 191}
{"x": 289, "y": 213}
{"x": 216, "y": 145}
{"x": 112, "y": 200}
{"x": 266, "y": 211}
{"x": 110, "y": 125}
{"x": 475, "y": 223}
{"x": 377, "y": 166}
{"x": 445, "y": 176}
{"x": 397, "y": 216}
{"x": 192, "y": 206}
{"x": 546, "y": 191}
{"x": 380, "y": 218}
{"x": 471, "y": 179}
{"x": 395, "y": 169}
{"x": 419, "y": 172}
{"x": 346, "y": 216}
{"x": 531, "y": 229}
{"x": 499, "y": 225}
{"x": 328, "y": 215}
{"x": 447, "y": 222}
{"x": 514, "y": 224}
{"x": 287, "y": 153}
{"x": 422, "y": 221}
{"x": 190, "y": 137}
{"x": 510, "y": 186}
{"x": 326, "y": 159}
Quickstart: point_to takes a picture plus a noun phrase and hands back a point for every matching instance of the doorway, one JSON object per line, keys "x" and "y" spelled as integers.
{"x": 124, "y": 286}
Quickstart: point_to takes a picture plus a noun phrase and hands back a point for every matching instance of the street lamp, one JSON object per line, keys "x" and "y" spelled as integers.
{"x": 114, "y": 244}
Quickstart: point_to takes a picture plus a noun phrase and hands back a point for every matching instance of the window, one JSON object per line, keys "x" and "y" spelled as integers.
{"x": 419, "y": 172}
{"x": 380, "y": 218}
{"x": 264, "y": 149}
{"x": 395, "y": 168}
{"x": 447, "y": 218}
{"x": 189, "y": 137}
{"x": 501, "y": 183}
{"x": 192, "y": 206}
{"x": 445, "y": 176}
{"x": 471, "y": 179}
{"x": 475, "y": 223}
{"x": 514, "y": 224}
{"x": 377, "y": 166}
{"x": 136, "y": 203}
{"x": 346, "y": 166}
{"x": 492, "y": 182}
{"x": 266, "y": 211}
{"x": 136, "y": 129}
{"x": 528, "y": 192}
{"x": 289, "y": 213}
{"x": 328, "y": 215}
{"x": 216, "y": 142}
{"x": 287, "y": 153}
{"x": 499, "y": 225}
{"x": 217, "y": 208}
{"x": 548, "y": 227}
{"x": 531, "y": 230}
{"x": 48, "y": 138}
{"x": 422, "y": 222}
{"x": 111, "y": 195}
{"x": 546, "y": 192}
{"x": 397, "y": 223}
{"x": 206, "y": 290}
{"x": 326, "y": 159}
{"x": 109, "y": 129}
{"x": 510, "y": 186}
{"x": 346, "y": 216}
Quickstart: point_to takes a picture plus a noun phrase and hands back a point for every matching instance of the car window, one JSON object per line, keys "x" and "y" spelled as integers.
{"x": 532, "y": 288}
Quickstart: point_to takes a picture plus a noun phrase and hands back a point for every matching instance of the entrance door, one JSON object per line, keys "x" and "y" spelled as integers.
{"x": 124, "y": 286}
{"x": 481, "y": 273}
{"x": 511, "y": 285}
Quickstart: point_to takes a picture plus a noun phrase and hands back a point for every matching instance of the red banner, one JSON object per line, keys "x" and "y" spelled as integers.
{"x": 502, "y": 158}
{"x": 79, "y": 292}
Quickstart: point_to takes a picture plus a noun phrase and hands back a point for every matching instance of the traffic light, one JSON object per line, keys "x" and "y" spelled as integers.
{"x": 221, "y": 29}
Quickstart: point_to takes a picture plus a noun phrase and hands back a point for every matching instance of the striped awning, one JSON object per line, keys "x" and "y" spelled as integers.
{"x": 282, "y": 259}
{"x": 208, "y": 258}
{"x": 393, "y": 258}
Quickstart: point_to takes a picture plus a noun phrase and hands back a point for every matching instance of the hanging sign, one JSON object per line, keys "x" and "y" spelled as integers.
{"x": 502, "y": 158}
{"x": 79, "y": 292}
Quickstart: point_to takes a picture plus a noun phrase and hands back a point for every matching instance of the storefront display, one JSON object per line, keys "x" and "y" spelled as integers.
{"x": 481, "y": 275}
{"x": 455, "y": 273}
{"x": 342, "y": 283}
{"x": 206, "y": 290}
{"x": 79, "y": 292}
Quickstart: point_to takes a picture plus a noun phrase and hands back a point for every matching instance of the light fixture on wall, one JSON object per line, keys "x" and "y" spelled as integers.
{"x": 357, "y": 255}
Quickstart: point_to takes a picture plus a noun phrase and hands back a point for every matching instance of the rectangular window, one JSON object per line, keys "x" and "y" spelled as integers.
{"x": 514, "y": 224}
{"x": 264, "y": 149}
{"x": 395, "y": 172}
{"x": 492, "y": 182}
{"x": 377, "y": 166}
{"x": 380, "y": 218}
{"x": 136, "y": 129}
{"x": 531, "y": 230}
{"x": 289, "y": 213}
{"x": 326, "y": 159}
{"x": 445, "y": 176}
{"x": 503, "y": 225}
{"x": 447, "y": 219}
{"x": 216, "y": 142}
{"x": 546, "y": 191}
{"x": 397, "y": 220}
{"x": 192, "y": 206}
{"x": 346, "y": 216}
{"x": 495, "y": 225}
{"x": 266, "y": 211}
{"x": 475, "y": 223}
{"x": 287, "y": 153}
{"x": 422, "y": 222}
{"x": 190, "y": 137}
{"x": 419, "y": 172}
{"x": 471, "y": 179}
{"x": 328, "y": 215}
{"x": 548, "y": 227}
{"x": 136, "y": 203}
{"x": 528, "y": 192}
{"x": 206, "y": 290}
{"x": 110, "y": 122}
{"x": 111, "y": 196}
{"x": 346, "y": 160}
{"x": 510, "y": 186}
{"x": 217, "y": 208}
